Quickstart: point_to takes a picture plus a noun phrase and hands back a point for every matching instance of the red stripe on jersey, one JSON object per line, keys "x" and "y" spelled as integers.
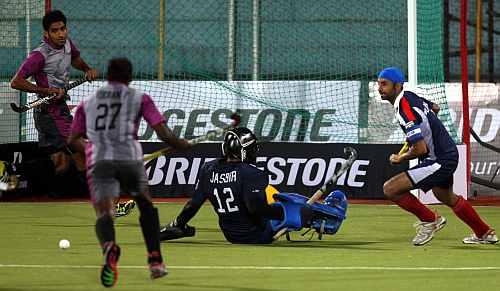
{"x": 407, "y": 109}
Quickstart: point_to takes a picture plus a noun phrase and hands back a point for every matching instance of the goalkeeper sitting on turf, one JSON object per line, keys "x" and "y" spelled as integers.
{"x": 237, "y": 191}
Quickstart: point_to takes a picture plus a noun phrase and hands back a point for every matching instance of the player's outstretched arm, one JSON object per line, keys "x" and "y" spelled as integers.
{"x": 188, "y": 212}
{"x": 166, "y": 135}
{"x": 179, "y": 227}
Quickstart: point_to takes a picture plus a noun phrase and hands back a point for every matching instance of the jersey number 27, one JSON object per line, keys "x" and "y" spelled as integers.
{"x": 101, "y": 122}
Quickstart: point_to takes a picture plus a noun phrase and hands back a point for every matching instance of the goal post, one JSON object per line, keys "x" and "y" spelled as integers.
{"x": 465, "y": 86}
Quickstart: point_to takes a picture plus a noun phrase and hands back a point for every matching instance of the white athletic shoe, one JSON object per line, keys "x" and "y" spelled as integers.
{"x": 488, "y": 238}
{"x": 426, "y": 230}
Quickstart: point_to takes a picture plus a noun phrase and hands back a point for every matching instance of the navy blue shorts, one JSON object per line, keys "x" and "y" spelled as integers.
{"x": 429, "y": 174}
{"x": 260, "y": 236}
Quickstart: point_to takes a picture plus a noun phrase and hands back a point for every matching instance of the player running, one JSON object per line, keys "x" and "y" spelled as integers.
{"x": 49, "y": 65}
{"x": 237, "y": 191}
{"x": 438, "y": 155}
{"x": 110, "y": 120}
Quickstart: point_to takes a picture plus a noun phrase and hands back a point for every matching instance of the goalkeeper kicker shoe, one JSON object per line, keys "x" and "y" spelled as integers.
{"x": 109, "y": 271}
{"x": 124, "y": 208}
{"x": 490, "y": 237}
{"x": 426, "y": 230}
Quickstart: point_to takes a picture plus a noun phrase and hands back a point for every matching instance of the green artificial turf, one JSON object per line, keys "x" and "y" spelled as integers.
{"x": 372, "y": 251}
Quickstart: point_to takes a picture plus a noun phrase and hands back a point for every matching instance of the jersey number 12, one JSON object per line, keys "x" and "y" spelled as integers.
{"x": 230, "y": 198}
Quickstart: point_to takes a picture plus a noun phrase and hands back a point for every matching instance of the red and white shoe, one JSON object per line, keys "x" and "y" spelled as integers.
{"x": 490, "y": 237}
{"x": 426, "y": 230}
{"x": 157, "y": 270}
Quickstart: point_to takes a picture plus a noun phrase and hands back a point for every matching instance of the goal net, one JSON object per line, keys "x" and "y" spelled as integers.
{"x": 296, "y": 71}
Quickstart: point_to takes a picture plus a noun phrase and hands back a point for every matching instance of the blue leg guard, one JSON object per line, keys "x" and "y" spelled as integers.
{"x": 327, "y": 217}
{"x": 294, "y": 208}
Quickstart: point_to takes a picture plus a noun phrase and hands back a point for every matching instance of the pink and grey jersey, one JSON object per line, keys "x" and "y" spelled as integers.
{"x": 110, "y": 120}
{"x": 50, "y": 66}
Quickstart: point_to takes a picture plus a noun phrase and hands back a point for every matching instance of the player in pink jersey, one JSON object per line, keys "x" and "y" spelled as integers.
{"x": 49, "y": 66}
{"x": 110, "y": 118}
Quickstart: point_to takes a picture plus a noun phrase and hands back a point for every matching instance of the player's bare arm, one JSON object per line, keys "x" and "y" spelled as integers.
{"x": 416, "y": 150}
{"x": 79, "y": 64}
{"x": 20, "y": 83}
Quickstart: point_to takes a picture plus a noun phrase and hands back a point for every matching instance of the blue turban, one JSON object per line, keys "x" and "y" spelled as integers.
{"x": 392, "y": 74}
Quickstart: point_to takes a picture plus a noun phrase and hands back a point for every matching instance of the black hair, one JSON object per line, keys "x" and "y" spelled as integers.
{"x": 51, "y": 17}
{"x": 120, "y": 70}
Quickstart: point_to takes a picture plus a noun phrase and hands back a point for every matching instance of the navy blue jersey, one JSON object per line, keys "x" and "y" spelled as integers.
{"x": 418, "y": 121}
{"x": 236, "y": 191}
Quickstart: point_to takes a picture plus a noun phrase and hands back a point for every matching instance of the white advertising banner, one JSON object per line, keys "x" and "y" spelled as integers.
{"x": 274, "y": 110}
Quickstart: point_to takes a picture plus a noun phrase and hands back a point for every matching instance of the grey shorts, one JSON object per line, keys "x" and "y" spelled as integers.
{"x": 53, "y": 125}
{"x": 109, "y": 179}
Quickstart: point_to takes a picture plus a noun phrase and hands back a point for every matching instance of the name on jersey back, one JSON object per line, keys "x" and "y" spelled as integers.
{"x": 108, "y": 94}
{"x": 220, "y": 178}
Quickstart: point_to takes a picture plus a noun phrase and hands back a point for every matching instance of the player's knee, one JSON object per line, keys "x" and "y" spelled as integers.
{"x": 390, "y": 191}
{"x": 103, "y": 207}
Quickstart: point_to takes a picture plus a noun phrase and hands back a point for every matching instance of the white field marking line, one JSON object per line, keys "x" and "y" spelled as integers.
{"x": 266, "y": 268}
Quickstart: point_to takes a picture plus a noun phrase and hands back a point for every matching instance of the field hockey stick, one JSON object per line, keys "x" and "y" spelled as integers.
{"x": 404, "y": 149}
{"x": 46, "y": 99}
{"x": 352, "y": 155}
{"x": 210, "y": 135}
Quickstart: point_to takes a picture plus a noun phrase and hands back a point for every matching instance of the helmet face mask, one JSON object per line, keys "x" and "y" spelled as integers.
{"x": 241, "y": 144}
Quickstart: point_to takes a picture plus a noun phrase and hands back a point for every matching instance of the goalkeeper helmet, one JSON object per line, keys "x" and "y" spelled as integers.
{"x": 240, "y": 143}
